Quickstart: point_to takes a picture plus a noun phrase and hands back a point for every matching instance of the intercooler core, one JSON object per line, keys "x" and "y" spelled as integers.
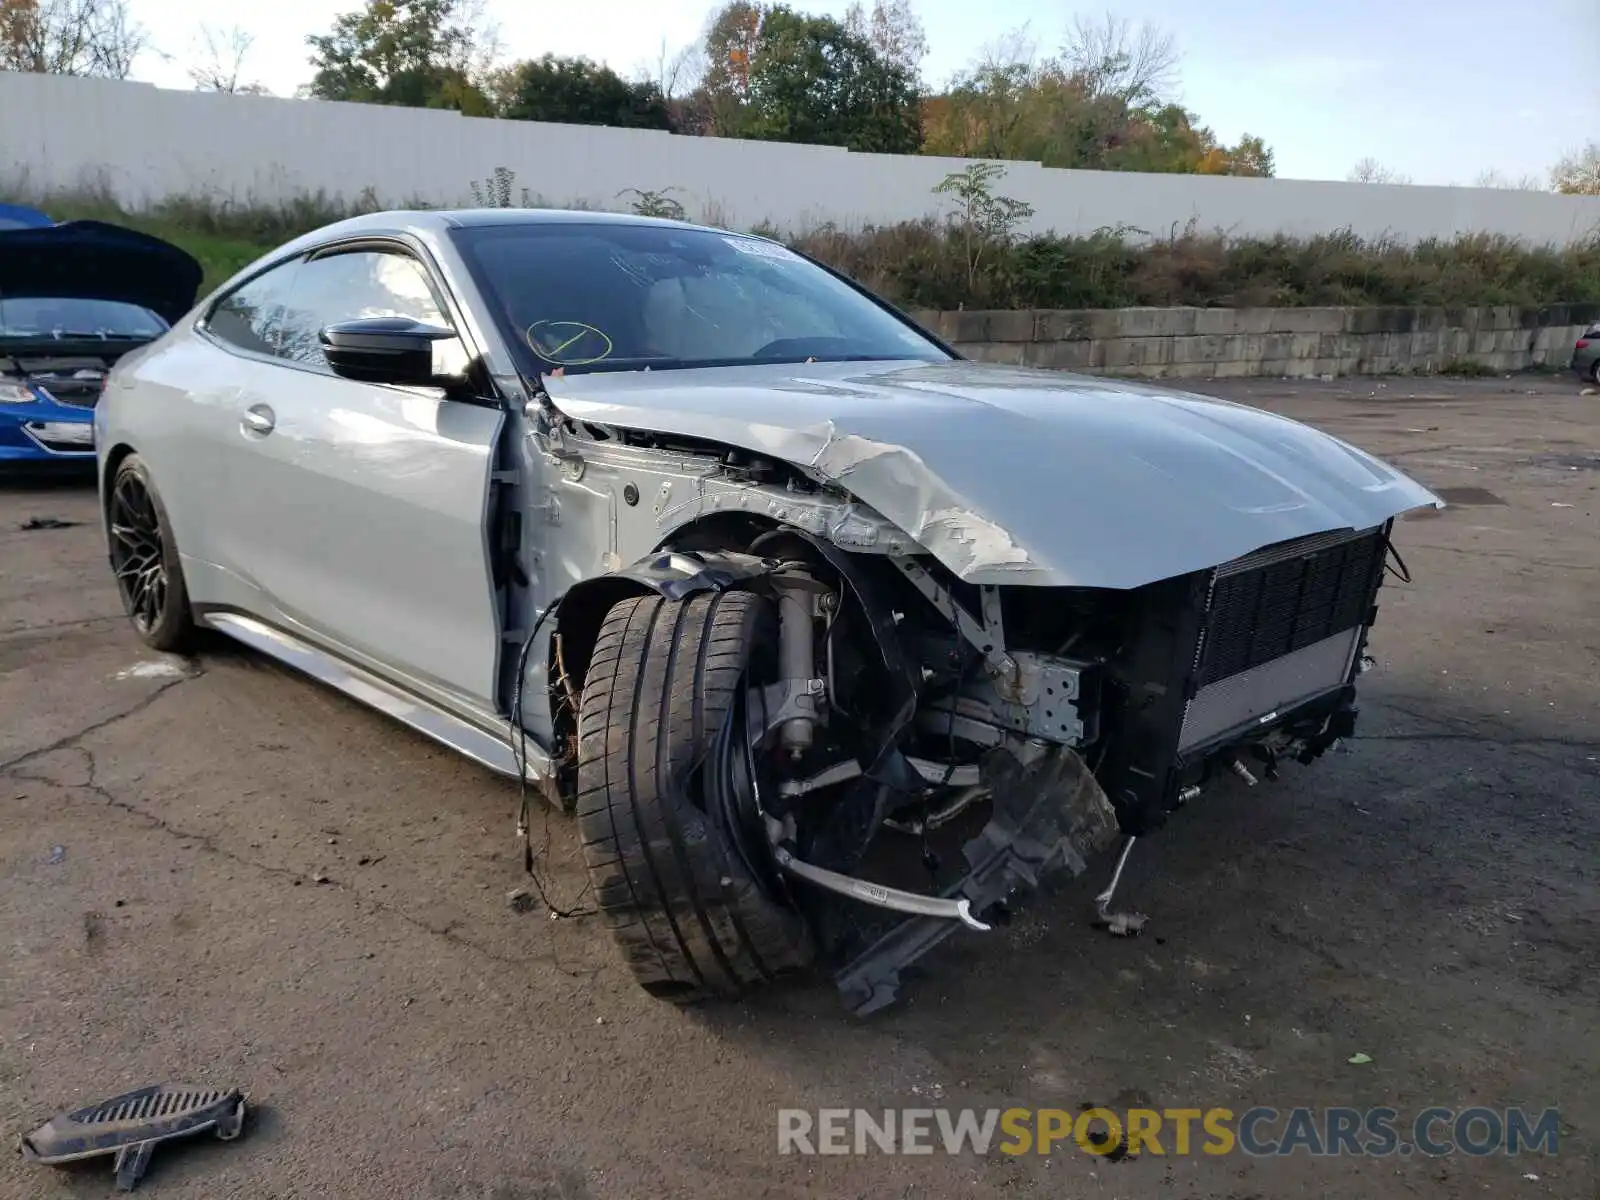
{"x": 1282, "y": 626}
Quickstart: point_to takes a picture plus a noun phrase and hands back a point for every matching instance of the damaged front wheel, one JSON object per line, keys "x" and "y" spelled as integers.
{"x": 661, "y": 789}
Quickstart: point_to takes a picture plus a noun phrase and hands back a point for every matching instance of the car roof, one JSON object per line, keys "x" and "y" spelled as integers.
{"x": 437, "y": 221}
{"x": 433, "y": 226}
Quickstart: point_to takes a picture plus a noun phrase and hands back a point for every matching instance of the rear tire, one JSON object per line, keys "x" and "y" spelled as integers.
{"x": 690, "y": 916}
{"x": 144, "y": 558}
{"x": 1594, "y": 371}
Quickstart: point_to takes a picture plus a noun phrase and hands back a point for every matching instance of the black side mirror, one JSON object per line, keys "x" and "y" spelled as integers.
{"x": 394, "y": 350}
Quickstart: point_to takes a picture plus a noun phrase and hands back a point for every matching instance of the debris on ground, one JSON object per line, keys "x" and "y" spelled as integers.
{"x": 521, "y": 900}
{"x": 130, "y": 1125}
{"x": 1359, "y": 1059}
{"x": 1122, "y": 924}
{"x": 33, "y": 523}
{"x": 157, "y": 668}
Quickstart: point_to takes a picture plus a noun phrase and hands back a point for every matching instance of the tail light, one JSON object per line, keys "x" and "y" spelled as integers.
{"x": 1583, "y": 344}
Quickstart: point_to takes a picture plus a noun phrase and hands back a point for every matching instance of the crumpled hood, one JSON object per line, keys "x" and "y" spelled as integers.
{"x": 1017, "y": 476}
{"x": 91, "y": 260}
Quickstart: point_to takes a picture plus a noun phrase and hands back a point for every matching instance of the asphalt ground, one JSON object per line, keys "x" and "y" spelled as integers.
{"x": 215, "y": 870}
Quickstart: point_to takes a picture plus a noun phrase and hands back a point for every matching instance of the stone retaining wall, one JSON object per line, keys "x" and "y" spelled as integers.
{"x": 1221, "y": 343}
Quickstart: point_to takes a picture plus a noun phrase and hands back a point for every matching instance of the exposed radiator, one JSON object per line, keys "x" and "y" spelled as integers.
{"x": 1260, "y": 693}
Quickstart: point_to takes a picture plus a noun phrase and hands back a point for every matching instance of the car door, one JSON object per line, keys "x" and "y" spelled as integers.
{"x": 202, "y": 447}
{"x": 360, "y": 510}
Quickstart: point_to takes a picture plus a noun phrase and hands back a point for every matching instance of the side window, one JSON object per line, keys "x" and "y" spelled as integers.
{"x": 345, "y": 287}
{"x": 251, "y": 316}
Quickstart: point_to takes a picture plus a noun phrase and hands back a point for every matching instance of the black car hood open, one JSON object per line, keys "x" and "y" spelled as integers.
{"x": 91, "y": 260}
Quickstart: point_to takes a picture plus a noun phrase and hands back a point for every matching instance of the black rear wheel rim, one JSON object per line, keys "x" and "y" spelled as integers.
{"x": 137, "y": 554}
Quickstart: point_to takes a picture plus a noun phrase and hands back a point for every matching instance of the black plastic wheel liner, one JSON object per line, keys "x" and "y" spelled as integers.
{"x": 1049, "y": 817}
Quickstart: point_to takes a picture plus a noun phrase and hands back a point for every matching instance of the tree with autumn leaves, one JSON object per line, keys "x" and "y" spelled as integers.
{"x": 771, "y": 72}
{"x": 1100, "y": 103}
{"x": 776, "y": 74}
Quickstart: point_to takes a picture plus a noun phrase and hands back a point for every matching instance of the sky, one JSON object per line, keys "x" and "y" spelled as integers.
{"x": 1437, "y": 90}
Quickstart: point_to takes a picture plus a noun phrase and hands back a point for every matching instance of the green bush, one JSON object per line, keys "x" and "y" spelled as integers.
{"x": 932, "y": 264}
{"x": 923, "y": 265}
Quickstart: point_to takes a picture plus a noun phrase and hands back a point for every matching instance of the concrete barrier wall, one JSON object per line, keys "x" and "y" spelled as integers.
{"x": 146, "y": 143}
{"x": 1222, "y": 343}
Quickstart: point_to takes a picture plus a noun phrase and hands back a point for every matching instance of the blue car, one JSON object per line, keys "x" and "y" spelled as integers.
{"x": 16, "y": 216}
{"x": 74, "y": 298}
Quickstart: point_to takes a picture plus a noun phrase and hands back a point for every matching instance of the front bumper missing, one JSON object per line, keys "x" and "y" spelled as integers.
{"x": 1049, "y": 815}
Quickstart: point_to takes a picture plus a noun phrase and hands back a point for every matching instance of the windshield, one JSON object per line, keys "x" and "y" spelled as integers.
{"x": 56, "y": 318}
{"x": 619, "y": 297}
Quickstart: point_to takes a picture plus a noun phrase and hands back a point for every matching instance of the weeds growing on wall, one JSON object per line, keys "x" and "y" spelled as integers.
{"x": 935, "y": 264}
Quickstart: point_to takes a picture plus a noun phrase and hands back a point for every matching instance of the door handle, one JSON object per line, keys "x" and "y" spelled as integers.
{"x": 258, "y": 419}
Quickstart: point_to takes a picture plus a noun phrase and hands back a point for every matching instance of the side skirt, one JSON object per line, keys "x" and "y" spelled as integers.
{"x": 464, "y": 737}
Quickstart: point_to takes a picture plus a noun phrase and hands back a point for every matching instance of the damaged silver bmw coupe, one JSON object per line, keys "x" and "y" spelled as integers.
{"x": 832, "y": 641}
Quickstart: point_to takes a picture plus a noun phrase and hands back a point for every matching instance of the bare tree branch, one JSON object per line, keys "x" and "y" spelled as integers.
{"x": 676, "y": 72}
{"x": 1495, "y": 178}
{"x": 1137, "y": 64}
{"x": 1370, "y": 170}
{"x": 69, "y": 37}
{"x": 1578, "y": 174}
{"x": 220, "y": 65}
{"x": 484, "y": 45}
{"x": 893, "y": 29}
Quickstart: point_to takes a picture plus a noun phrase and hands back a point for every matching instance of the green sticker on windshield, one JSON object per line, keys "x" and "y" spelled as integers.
{"x": 568, "y": 343}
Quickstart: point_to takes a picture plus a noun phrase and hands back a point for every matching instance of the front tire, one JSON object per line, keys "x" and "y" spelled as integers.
{"x": 144, "y": 558}
{"x": 691, "y": 916}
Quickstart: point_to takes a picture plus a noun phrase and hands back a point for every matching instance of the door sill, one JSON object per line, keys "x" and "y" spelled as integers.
{"x": 481, "y": 746}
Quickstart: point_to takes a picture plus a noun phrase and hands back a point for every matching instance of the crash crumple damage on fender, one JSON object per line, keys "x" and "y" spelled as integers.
{"x": 1012, "y": 476}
